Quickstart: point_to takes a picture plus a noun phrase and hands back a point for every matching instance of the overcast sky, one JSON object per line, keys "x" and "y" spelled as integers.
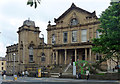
{"x": 14, "y": 12}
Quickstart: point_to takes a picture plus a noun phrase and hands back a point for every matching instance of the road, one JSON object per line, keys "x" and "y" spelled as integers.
{"x": 33, "y": 80}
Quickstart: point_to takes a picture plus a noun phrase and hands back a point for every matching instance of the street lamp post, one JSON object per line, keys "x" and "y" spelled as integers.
{"x": 43, "y": 52}
{"x": 43, "y": 44}
{"x": 14, "y": 64}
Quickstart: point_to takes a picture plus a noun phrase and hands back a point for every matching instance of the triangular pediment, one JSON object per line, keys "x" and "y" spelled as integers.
{"x": 75, "y": 9}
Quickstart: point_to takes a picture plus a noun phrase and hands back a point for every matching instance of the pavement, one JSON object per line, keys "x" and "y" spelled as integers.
{"x": 33, "y": 80}
{"x": 0, "y": 79}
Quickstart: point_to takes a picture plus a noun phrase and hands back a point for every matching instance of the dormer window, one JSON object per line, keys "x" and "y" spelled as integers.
{"x": 74, "y": 22}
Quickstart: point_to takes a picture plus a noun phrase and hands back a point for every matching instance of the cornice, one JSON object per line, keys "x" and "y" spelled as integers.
{"x": 26, "y": 29}
{"x": 80, "y": 25}
{"x": 73, "y": 44}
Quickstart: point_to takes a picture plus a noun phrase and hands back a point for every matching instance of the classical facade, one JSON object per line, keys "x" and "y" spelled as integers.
{"x": 68, "y": 40}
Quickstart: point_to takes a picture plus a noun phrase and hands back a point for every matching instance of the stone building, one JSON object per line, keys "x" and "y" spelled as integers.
{"x": 68, "y": 40}
{"x": 2, "y": 64}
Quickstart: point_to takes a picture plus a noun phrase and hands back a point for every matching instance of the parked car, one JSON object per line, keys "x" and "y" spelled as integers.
{"x": 117, "y": 67}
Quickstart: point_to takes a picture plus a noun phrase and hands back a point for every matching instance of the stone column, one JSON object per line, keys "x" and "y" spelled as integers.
{"x": 53, "y": 57}
{"x": 60, "y": 58}
{"x": 75, "y": 55}
{"x": 65, "y": 56}
{"x": 90, "y": 54}
{"x": 85, "y": 54}
{"x": 56, "y": 56}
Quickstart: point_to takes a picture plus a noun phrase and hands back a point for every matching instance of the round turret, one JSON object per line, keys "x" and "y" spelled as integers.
{"x": 29, "y": 23}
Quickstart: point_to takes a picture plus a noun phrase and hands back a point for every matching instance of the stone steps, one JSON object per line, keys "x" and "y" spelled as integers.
{"x": 54, "y": 75}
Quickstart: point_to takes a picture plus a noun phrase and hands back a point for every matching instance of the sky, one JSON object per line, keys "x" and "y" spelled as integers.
{"x": 14, "y": 12}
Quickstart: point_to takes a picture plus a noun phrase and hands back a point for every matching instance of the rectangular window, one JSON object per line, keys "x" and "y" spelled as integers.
{"x": 43, "y": 59}
{"x": 2, "y": 68}
{"x": 84, "y": 35}
{"x": 30, "y": 58}
{"x": 2, "y": 63}
{"x": 31, "y": 54}
{"x": 65, "y": 35}
{"x": 53, "y": 38}
{"x": 74, "y": 36}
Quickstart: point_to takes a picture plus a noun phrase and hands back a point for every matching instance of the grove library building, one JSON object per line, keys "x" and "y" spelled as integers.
{"x": 69, "y": 40}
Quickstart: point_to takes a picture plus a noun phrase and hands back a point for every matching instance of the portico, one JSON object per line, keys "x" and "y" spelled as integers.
{"x": 66, "y": 55}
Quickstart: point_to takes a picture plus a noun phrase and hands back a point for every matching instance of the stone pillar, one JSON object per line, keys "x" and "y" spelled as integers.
{"x": 65, "y": 56}
{"x": 85, "y": 54}
{"x": 75, "y": 55}
{"x": 53, "y": 57}
{"x": 56, "y": 56}
{"x": 90, "y": 54}
{"x": 60, "y": 59}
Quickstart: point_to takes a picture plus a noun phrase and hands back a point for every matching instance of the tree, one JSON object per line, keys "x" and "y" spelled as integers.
{"x": 33, "y": 2}
{"x": 109, "y": 42}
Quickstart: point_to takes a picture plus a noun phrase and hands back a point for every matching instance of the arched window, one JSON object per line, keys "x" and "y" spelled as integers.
{"x": 31, "y": 54}
{"x": 74, "y": 22}
{"x": 43, "y": 57}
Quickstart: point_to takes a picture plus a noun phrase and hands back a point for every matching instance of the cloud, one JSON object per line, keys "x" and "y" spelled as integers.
{"x": 2, "y": 50}
{"x": 43, "y": 27}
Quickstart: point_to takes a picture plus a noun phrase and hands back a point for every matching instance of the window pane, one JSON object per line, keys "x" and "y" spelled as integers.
{"x": 84, "y": 35}
{"x": 31, "y": 51}
{"x": 2, "y": 68}
{"x": 43, "y": 59}
{"x": 31, "y": 54}
{"x": 53, "y": 38}
{"x": 2, "y": 63}
{"x": 65, "y": 37}
{"x": 74, "y": 36}
{"x": 30, "y": 58}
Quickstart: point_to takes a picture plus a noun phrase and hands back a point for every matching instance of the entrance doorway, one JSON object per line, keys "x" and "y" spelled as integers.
{"x": 73, "y": 59}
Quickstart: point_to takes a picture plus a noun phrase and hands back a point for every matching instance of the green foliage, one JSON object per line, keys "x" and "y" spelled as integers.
{"x": 33, "y": 2}
{"x": 109, "y": 42}
{"x": 100, "y": 74}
